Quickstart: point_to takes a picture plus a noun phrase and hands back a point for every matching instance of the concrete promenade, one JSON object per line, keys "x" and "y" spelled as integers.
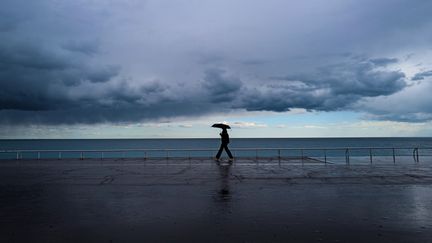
{"x": 200, "y": 201}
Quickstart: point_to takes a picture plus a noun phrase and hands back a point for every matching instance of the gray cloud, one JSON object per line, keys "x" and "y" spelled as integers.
{"x": 330, "y": 88}
{"x": 84, "y": 47}
{"x": 34, "y": 77}
{"x": 100, "y": 61}
{"x": 409, "y": 105}
{"x": 383, "y": 61}
{"x": 422, "y": 75}
{"x": 221, "y": 88}
{"x": 101, "y": 74}
{"x": 414, "y": 117}
{"x": 117, "y": 103}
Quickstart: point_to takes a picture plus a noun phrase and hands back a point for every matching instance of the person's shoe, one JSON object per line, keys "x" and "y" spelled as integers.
{"x": 230, "y": 161}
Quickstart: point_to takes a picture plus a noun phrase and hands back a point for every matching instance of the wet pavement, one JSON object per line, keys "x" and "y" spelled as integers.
{"x": 199, "y": 201}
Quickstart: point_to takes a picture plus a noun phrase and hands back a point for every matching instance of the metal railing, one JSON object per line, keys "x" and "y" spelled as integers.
{"x": 324, "y": 155}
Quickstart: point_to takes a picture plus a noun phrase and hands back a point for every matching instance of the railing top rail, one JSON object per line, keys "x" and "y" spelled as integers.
{"x": 200, "y": 149}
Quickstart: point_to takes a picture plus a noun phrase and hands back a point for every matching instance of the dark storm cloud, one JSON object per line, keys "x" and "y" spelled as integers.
{"x": 333, "y": 87}
{"x": 102, "y": 61}
{"x": 384, "y": 61}
{"x": 30, "y": 55}
{"x": 422, "y": 75}
{"x": 85, "y": 47}
{"x": 410, "y": 105}
{"x": 101, "y": 74}
{"x": 9, "y": 23}
{"x": 118, "y": 102}
{"x": 221, "y": 88}
{"x": 413, "y": 117}
{"x": 330, "y": 88}
{"x": 353, "y": 77}
{"x": 35, "y": 77}
{"x": 60, "y": 84}
{"x": 11, "y": 15}
{"x": 93, "y": 113}
{"x": 51, "y": 72}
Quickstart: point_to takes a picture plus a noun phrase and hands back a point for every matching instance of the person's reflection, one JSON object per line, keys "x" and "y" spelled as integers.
{"x": 224, "y": 190}
{"x": 221, "y": 206}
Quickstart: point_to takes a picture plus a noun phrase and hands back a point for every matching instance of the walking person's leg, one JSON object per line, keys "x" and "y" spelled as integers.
{"x": 228, "y": 151}
{"x": 218, "y": 155}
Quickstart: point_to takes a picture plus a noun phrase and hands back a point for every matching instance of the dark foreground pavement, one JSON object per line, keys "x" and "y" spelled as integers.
{"x": 198, "y": 201}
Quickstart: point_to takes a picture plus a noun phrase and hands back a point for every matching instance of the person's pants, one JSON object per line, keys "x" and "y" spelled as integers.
{"x": 222, "y": 147}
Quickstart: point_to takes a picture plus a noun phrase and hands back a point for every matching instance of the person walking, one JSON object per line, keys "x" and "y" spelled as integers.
{"x": 224, "y": 145}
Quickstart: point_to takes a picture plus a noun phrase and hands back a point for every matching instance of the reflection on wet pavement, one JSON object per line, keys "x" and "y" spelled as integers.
{"x": 160, "y": 201}
{"x": 224, "y": 192}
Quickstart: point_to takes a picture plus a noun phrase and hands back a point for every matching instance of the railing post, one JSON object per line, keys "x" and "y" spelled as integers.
{"x": 102, "y": 155}
{"x": 370, "y": 155}
{"x": 417, "y": 153}
{"x": 17, "y": 155}
{"x": 82, "y": 156}
{"x": 256, "y": 154}
{"x": 279, "y": 156}
{"x": 59, "y": 155}
{"x": 325, "y": 156}
{"x": 394, "y": 156}
{"x": 38, "y": 155}
{"x": 302, "y": 156}
{"x": 189, "y": 156}
{"x": 347, "y": 156}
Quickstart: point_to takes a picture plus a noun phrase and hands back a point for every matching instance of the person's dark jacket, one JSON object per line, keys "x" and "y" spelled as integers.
{"x": 224, "y": 137}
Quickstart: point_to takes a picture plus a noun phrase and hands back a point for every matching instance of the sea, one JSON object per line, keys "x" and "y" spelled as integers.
{"x": 207, "y": 147}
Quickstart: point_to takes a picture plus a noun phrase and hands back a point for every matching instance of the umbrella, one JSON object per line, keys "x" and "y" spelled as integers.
{"x": 221, "y": 125}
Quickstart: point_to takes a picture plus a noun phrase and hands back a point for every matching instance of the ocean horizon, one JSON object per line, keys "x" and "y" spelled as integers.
{"x": 189, "y": 143}
{"x": 404, "y": 146}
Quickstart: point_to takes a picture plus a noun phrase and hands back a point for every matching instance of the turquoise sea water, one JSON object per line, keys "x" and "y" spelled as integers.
{"x": 212, "y": 144}
{"x": 89, "y": 144}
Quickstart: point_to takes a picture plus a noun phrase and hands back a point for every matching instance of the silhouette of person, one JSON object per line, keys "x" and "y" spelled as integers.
{"x": 224, "y": 145}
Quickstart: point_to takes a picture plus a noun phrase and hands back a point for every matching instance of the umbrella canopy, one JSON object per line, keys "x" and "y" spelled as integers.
{"x": 221, "y": 125}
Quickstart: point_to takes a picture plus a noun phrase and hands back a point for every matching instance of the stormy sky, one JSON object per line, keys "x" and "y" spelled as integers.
{"x": 167, "y": 66}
